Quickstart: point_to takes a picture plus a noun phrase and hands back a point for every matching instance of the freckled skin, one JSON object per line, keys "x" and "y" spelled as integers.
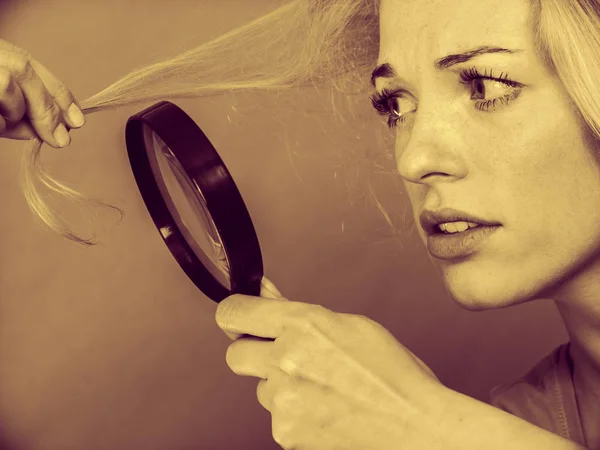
{"x": 529, "y": 164}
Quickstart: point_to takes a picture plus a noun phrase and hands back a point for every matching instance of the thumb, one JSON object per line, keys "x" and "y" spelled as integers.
{"x": 267, "y": 290}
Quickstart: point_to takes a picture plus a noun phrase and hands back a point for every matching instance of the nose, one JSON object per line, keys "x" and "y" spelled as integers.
{"x": 431, "y": 149}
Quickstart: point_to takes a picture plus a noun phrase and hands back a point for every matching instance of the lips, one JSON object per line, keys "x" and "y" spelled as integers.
{"x": 458, "y": 246}
{"x": 430, "y": 220}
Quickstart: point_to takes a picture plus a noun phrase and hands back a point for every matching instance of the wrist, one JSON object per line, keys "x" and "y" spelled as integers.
{"x": 462, "y": 422}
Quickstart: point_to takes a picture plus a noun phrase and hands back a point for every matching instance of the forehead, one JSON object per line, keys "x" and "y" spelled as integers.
{"x": 432, "y": 28}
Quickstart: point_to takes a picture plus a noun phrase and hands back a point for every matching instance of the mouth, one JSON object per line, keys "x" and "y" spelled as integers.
{"x": 460, "y": 245}
{"x": 448, "y": 221}
{"x": 455, "y": 227}
{"x": 455, "y": 235}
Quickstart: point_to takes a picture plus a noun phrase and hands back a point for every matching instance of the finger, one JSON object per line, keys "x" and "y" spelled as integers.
{"x": 21, "y": 131}
{"x": 44, "y": 113}
{"x": 62, "y": 96}
{"x": 264, "y": 394}
{"x": 40, "y": 107}
{"x": 12, "y": 103}
{"x": 5, "y": 45}
{"x": 268, "y": 289}
{"x": 263, "y": 317}
{"x": 267, "y": 389}
{"x": 66, "y": 101}
{"x": 251, "y": 357}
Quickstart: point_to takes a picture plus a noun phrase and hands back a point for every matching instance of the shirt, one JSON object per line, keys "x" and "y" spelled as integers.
{"x": 545, "y": 396}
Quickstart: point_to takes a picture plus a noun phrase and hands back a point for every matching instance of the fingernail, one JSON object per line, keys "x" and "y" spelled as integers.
{"x": 75, "y": 115}
{"x": 62, "y": 135}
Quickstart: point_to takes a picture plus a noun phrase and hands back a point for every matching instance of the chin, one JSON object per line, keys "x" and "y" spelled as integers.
{"x": 482, "y": 291}
{"x": 485, "y": 301}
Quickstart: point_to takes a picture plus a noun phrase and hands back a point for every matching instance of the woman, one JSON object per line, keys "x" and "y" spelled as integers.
{"x": 495, "y": 114}
{"x": 486, "y": 127}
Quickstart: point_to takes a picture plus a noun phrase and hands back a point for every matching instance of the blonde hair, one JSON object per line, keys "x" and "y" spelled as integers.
{"x": 568, "y": 38}
{"x": 309, "y": 43}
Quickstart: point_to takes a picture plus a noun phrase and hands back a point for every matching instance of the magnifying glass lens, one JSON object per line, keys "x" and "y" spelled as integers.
{"x": 188, "y": 207}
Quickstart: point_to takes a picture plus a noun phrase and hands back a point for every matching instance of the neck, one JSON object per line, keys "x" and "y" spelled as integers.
{"x": 583, "y": 327}
{"x": 578, "y": 302}
{"x": 579, "y": 306}
{"x": 580, "y": 312}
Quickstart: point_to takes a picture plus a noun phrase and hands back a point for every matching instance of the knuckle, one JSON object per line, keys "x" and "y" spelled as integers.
{"x": 322, "y": 311}
{"x": 362, "y": 320}
{"x": 5, "y": 80}
{"x": 317, "y": 315}
{"x": 24, "y": 53}
{"x": 20, "y": 51}
{"x": 22, "y": 67}
{"x": 47, "y": 110}
{"x": 289, "y": 366}
{"x": 359, "y": 322}
{"x": 62, "y": 92}
{"x": 316, "y": 320}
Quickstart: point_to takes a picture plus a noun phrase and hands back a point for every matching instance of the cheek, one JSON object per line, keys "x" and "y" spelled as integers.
{"x": 541, "y": 154}
{"x": 551, "y": 185}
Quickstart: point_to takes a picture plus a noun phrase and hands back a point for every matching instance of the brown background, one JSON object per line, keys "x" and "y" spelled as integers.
{"x": 112, "y": 347}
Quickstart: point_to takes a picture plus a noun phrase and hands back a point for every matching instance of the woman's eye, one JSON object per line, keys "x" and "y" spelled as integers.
{"x": 393, "y": 104}
{"x": 400, "y": 106}
{"x": 484, "y": 89}
{"x": 488, "y": 91}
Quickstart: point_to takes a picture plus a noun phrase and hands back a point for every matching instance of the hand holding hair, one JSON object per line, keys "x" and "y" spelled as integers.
{"x": 33, "y": 102}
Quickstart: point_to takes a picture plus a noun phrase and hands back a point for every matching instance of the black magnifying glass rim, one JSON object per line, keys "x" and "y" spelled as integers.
{"x": 204, "y": 166}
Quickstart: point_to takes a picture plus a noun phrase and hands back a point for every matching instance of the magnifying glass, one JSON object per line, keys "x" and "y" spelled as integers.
{"x": 194, "y": 202}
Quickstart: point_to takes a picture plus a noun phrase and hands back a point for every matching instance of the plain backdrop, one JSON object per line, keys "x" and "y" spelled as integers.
{"x": 112, "y": 347}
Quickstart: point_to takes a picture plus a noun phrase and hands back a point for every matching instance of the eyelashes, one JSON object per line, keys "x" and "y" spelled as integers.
{"x": 380, "y": 101}
{"x": 470, "y": 77}
{"x": 467, "y": 76}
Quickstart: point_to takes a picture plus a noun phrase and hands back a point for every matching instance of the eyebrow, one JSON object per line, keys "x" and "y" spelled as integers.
{"x": 386, "y": 70}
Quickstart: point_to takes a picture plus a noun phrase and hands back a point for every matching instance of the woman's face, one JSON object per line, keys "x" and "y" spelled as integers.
{"x": 525, "y": 161}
